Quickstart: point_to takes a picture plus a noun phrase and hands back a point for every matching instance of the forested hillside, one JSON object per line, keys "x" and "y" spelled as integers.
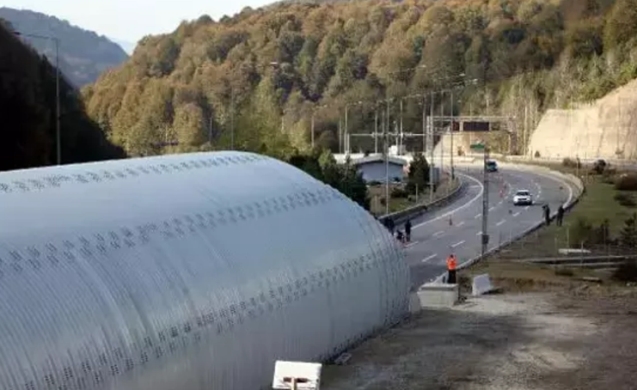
{"x": 83, "y": 54}
{"x": 27, "y": 113}
{"x": 264, "y": 72}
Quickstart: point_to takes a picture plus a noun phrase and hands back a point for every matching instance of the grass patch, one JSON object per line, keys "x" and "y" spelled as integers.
{"x": 522, "y": 277}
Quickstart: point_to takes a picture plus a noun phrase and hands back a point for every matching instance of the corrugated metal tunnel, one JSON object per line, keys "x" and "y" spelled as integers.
{"x": 189, "y": 272}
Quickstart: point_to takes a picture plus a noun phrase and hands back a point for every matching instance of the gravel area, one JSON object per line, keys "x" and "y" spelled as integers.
{"x": 576, "y": 339}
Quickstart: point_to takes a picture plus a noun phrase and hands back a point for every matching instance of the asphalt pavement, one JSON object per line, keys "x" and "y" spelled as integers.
{"x": 456, "y": 228}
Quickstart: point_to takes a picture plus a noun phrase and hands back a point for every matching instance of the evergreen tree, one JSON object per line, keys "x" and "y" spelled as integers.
{"x": 628, "y": 235}
{"x": 418, "y": 174}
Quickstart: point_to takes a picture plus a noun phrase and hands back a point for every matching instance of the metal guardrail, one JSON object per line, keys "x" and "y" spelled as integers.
{"x": 416, "y": 211}
{"x": 572, "y": 179}
{"x": 578, "y": 259}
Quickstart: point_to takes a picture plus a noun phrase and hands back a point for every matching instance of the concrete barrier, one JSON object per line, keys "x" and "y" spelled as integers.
{"x": 435, "y": 295}
{"x": 412, "y": 212}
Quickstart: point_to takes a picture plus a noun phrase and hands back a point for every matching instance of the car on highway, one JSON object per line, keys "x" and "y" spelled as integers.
{"x": 492, "y": 166}
{"x": 522, "y": 198}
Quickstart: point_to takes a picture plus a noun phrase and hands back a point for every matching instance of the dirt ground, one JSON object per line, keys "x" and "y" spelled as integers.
{"x": 545, "y": 331}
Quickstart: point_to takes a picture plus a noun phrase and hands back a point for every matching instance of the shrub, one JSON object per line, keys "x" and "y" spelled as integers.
{"x": 399, "y": 193}
{"x": 599, "y": 166}
{"x": 581, "y": 233}
{"x": 626, "y": 200}
{"x": 563, "y": 272}
{"x": 627, "y": 272}
{"x": 626, "y": 182}
{"x": 570, "y": 163}
{"x": 537, "y": 154}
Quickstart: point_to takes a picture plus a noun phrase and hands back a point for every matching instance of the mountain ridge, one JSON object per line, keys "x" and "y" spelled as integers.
{"x": 84, "y": 54}
{"x": 213, "y": 84}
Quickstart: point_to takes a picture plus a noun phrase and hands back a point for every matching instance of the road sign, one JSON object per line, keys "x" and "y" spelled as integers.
{"x": 477, "y": 147}
{"x": 480, "y": 126}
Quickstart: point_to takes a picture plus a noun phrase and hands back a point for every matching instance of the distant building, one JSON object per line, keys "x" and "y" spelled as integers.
{"x": 373, "y": 168}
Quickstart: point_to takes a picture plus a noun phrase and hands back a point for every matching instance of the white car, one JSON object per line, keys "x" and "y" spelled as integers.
{"x": 522, "y": 197}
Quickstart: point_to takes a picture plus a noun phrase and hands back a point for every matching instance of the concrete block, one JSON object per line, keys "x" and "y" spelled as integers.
{"x": 414, "y": 303}
{"x": 481, "y": 285}
{"x": 438, "y": 295}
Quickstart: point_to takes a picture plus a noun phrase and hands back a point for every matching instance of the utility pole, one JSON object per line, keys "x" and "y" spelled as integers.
{"x": 346, "y": 130}
{"x": 431, "y": 148}
{"x": 442, "y": 133}
{"x": 453, "y": 174}
{"x": 340, "y": 135}
{"x": 376, "y": 129}
{"x": 485, "y": 202}
{"x": 400, "y": 137}
{"x": 232, "y": 119}
{"x": 386, "y": 148}
{"x": 312, "y": 129}
{"x": 424, "y": 126}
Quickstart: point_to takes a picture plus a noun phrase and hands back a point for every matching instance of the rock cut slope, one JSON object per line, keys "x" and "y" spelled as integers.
{"x": 606, "y": 129}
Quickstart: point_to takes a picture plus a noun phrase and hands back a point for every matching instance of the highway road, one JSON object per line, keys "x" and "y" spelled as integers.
{"x": 456, "y": 228}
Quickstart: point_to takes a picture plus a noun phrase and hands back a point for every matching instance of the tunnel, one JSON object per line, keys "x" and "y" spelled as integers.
{"x": 192, "y": 272}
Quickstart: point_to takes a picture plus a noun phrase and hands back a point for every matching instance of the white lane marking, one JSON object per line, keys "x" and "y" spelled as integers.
{"x": 478, "y": 216}
{"x": 440, "y": 233}
{"x": 411, "y": 244}
{"x": 460, "y": 223}
{"x": 458, "y": 244}
{"x": 472, "y": 200}
{"x": 500, "y": 202}
{"x": 491, "y": 208}
{"x": 526, "y": 208}
{"x": 500, "y": 223}
{"x": 426, "y": 259}
{"x": 478, "y": 233}
{"x": 516, "y": 214}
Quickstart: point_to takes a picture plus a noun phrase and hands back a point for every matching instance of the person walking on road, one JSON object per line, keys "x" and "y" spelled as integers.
{"x": 560, "y": 215}
{"x": 451, "y": 269}
{"x": 408, "y": 230}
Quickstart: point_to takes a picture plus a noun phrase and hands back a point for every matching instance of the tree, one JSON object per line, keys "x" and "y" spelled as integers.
{"x": 418, "y": 174}
{"x": 343, "y": 52}
{"x": 628, "y": 235}
{"x": 345, "y": 178}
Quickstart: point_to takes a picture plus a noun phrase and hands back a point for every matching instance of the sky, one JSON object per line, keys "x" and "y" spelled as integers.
{"x": 130, "y": 20}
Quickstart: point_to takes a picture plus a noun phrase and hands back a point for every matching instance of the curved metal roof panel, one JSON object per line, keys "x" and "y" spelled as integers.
{"x": 184, "y": 272}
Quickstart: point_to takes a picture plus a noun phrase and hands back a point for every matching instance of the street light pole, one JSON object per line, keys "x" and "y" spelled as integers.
{"x": 431, "y": 148}
{"x": 400, "y": 136}
{"x": 453, "y": 175}
{"x": 376, "y": 128}
{"x": 58, "y": 137}
{"x": 346, "y": 148}
{"x": 424, "y": 130}
{"x": 386, "y": 148}
{"x": 485, "y": 203}
{"x": 232, "y": 119}
{"x": 312, "y": 129}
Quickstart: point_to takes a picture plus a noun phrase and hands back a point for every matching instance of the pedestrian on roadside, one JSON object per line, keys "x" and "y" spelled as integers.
{"x": 560, "y": 215}
{"x": 408, "y": 230}
{"x": 390, "y": 225}
{"x": 547, "y": 214}
{"x": 451, "y": 269}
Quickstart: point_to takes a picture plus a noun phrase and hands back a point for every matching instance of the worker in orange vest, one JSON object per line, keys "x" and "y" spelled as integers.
{"x": 451, "y": 269}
